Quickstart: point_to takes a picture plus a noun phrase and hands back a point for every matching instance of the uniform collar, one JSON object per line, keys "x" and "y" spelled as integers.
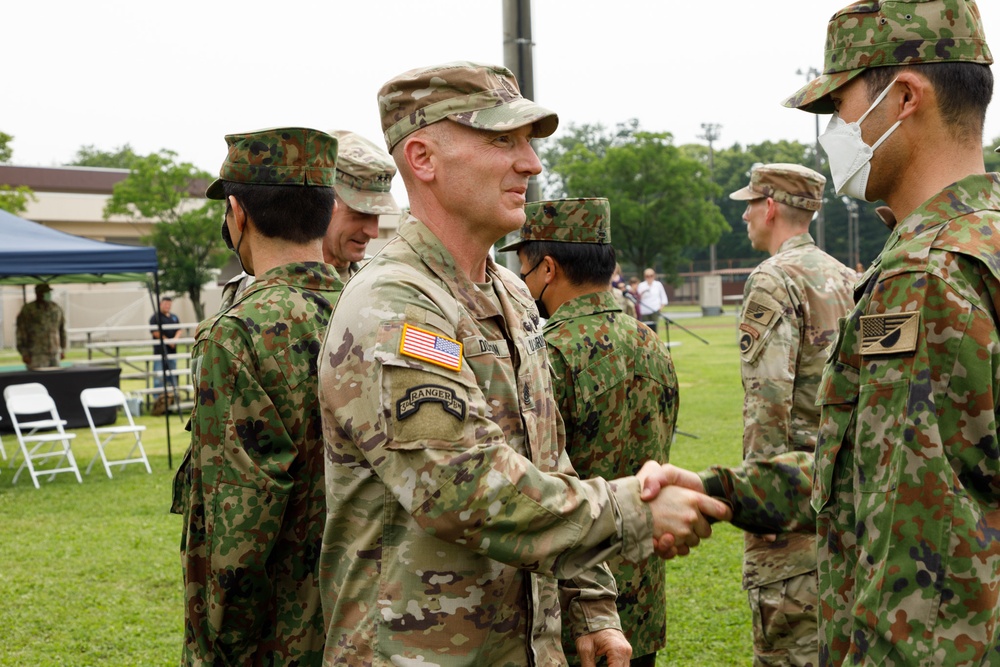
{"x": 442, "y": 264}
{"x": 316, "y": 276}
{"x": 585, "y": 304}
{"x": 796, "y": 241}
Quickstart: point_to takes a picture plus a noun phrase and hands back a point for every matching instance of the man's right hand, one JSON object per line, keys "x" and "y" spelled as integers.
{"x": 680, "y": 507}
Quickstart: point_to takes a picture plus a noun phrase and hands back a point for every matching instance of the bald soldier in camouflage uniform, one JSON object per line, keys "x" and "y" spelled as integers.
{"x": 791, "y": 305}
{"x": 452, "y": 504}
{"x": 364, "y": 178}
{"x": 613, "y": 379}
{"x": 251, "y": 485}
{"x": 41, "y": 331}
{"x": 905, "y": 488}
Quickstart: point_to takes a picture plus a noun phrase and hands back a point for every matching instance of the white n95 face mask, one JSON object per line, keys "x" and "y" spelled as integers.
{"x": 850, "y": 157}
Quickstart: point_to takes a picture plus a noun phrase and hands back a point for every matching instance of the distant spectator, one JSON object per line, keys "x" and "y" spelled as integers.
{"x": 41, "y": 331}
{"x": 168, "y": 322}
{"x": 652, "y": 299}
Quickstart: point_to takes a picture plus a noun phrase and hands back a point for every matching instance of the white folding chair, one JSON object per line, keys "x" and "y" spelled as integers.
{"x": 37, "y": 446}
{"x": 3, "y": 452}
{"x": 23, "y": 390}
{"x": 112, "y": 397}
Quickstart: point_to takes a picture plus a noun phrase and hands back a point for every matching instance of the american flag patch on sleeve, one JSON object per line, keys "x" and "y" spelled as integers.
{"x": 430, "y": 347}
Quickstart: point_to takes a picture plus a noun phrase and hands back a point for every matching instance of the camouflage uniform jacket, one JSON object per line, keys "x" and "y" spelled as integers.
{"x": 791, "y": 306}
{"x": 906, "y": 478}
{"x": 251, "y": 485}
{"x": 41, "y": 333}
{"x": 616, "y": 389}
{"x": 452, "y": 504}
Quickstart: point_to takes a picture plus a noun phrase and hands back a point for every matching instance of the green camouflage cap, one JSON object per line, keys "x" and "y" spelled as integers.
{"x": 278, "y": 156}
{"x": 565, "y": 221}
{"x": 790, "y": 184}
{"x": 485, "y": 97}
{"x": 884, "y": 33}
{"x": 364, "y": 175}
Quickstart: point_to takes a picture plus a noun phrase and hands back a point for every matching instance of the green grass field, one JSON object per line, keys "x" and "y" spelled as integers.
{"x": 90, "y": 573}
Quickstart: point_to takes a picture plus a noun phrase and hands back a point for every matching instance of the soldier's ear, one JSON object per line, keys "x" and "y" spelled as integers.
{"x": 239, "y": 213}
{"x": 418, "y": 152}
{"x": 549, "y": 267}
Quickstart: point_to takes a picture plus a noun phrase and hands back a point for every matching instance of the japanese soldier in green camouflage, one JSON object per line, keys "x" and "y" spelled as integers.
{"x": 904, "y": 490}
{"x": 792, "y": 303}
{"x": 251, "y": 486}
{"x": 41, "y": 331}
{"x": 364, "y": 177}
{"x": 613, "y": 380}
{"x": 452, "y": 505}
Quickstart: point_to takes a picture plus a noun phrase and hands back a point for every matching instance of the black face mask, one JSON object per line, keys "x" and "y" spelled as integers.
{"x": 543, "y": 312}
{"x": 226, "y": 236}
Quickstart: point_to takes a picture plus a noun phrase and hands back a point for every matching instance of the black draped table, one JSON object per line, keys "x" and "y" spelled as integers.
{"x": 64, "y": 386}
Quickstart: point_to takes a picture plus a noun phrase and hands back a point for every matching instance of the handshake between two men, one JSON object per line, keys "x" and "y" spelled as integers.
{"x": 682, "y": 512}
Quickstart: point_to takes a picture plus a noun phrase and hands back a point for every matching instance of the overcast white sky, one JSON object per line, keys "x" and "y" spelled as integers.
{"x": 181, "y": 75}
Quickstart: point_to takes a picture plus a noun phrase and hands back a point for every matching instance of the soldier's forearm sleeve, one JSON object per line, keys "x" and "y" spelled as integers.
{"x": 769, "y": 496}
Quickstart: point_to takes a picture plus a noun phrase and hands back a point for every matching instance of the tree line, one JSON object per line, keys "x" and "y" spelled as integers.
{"x": 669, "y": 203}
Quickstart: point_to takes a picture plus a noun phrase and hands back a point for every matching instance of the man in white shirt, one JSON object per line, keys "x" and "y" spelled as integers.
{"x": 652, "y": 298}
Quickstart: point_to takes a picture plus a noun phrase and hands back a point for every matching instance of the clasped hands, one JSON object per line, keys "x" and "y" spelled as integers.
{"x": 680, "y": 508}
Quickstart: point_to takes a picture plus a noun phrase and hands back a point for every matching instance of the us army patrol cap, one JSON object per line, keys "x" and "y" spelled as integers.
{"x": 278, "y": 156}
{"x": 485, "y": 97}
{"x": 364, "y": 174}
{"x": 790, "y": 184}
{"x": 887, "y": 33}
{"x": 565, "y": 221}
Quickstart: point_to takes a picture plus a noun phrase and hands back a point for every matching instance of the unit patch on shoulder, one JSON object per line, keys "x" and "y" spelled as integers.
{"x": 416, "y": 396}
{"x": 431, "y": 347}
{"x": 896, "y": 333}
{"x": 758, "y": 312}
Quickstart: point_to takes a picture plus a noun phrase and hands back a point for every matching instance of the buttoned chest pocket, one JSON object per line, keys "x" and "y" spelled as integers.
{"x": 880, "y": 434}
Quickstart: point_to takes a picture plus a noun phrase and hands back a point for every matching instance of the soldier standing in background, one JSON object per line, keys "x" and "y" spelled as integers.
{"x": 614, "y": 384}
{"x": 905, "y": 487}
{"x": 453, "y": 507}
{"x": 792, "y": 303}
{"x": 251, "y": 485}
{"x": 41, "y": 331}
{"x": 364, "y": 178}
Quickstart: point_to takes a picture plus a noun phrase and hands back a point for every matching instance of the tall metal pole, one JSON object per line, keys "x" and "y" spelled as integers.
{"x": 810, "y": 74}
{"x": 711, "y": 132}
{"x": 517, "y": 58}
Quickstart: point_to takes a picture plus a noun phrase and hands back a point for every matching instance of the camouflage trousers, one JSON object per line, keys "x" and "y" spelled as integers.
{"x": 43, "y": 359}
{"x": 785, "y": 626}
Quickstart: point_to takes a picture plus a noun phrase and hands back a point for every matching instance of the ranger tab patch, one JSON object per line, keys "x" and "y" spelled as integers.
{"x": 889, "y": 334}
{"x": 430, "y": 347}
{"x": 416, "y": 396}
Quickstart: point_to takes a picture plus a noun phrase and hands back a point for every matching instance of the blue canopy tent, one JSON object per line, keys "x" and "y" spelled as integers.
{"x": 31, "y": 253}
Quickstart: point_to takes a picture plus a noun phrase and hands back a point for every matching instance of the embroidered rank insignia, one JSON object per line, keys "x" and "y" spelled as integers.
{"x": 758, "y": 312}
{"x": 889, "y": 334}
{"x": 416, "y": 396}
{"x": 430, "y": 347}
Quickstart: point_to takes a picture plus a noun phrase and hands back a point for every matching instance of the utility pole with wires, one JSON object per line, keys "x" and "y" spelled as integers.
{"x": 810, "y": 74}
{"x": 517, "y": 47}
{"x": 710, "y": 133}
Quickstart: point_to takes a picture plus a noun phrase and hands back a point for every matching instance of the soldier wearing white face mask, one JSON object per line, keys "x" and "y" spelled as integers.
{"x": 905, "y": 485}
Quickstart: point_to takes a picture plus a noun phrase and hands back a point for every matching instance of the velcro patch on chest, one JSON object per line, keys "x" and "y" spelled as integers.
{"x": 430, "y": 347}
{"x": 896, "y": 333}
{"x": 414, "y": 397}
